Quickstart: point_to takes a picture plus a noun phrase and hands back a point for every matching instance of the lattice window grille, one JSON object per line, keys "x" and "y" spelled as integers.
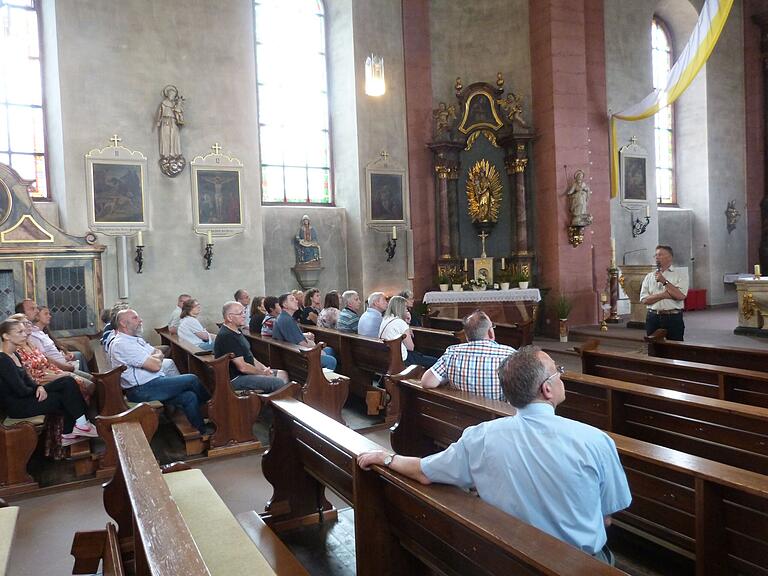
{"x": 7, "y": 293}
{"x": 66, "y": 297}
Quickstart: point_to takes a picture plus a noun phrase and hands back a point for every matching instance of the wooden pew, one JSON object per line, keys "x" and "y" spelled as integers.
{"x": 364, "y": 360}
{"x": 171, "y": 525}
{"x": 8, "y": 517}
{"x": 433, "y": 341}
{"x": 514, "y": 335}
{"x": 326, "y": 391}
{"x": 742, "y": 358}
{"x": 401, "y": 527}
{"x": 711, "y": 512}
{"x": 715, "y": 381}
{"x": 723, "y": 431}
{"x": 232, "y": 413}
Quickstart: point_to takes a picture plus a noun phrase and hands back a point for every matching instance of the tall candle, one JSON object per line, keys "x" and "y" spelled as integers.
{"x": 210, "y": 237}
{"x": 394, "y": 232}
{"x": 503, "y": 264}
{"x": 613, "y": 252}
{"x": 140, "y": 240}
{"x": 466, "y": 267}
{"x": 757, "y": 270}
{"x": 647, "y": 210}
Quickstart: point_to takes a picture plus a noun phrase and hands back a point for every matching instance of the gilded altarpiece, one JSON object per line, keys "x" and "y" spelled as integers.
{"x": 481, "y": 145}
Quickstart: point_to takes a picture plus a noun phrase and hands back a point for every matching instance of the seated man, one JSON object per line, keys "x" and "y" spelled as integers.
{"x": 349, "y": 316}
{"x": 175, "y": 319}
{"x": 245, "y": 372}
{"x": 370, "y": 321}
{"x": 415, "y": 319}
{"x": 287, "y": 330}
{"x": 150, "y": 376}
{"x": 110, "y": 326}
{"x": 272, "y": 306}
{"x": 472, "y": 366}
{"x": 42, "y": 340}
{"x": 242, "y": 296}
{"x": 559, "y": 475}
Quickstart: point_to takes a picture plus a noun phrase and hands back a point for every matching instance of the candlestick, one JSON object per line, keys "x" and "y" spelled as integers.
{"x": 503, "y": 264}
{"x": 757, "y": 271}
{"x": 466, "y": 267}
{"x": 140, "y": 239}
{"x": 210, "y": 237}
{"x": 394, "y": 232}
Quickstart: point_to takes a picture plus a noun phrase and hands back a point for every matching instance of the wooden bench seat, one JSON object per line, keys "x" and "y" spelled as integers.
{"x": 169, "y": 524}
{"x": 742, "y": 358}
{"x": 401, "y": 527}
{"x": 8, "y": 517}
{"x": 708, "y": 511}
{"x": 325, "y": 390}
{"x": 704, "y": 379}
{"x": 514, "y": 335}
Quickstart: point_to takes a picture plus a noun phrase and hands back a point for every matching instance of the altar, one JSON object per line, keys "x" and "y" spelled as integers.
{"x": 753, "y": 306}
{"x": 503, "y": 306}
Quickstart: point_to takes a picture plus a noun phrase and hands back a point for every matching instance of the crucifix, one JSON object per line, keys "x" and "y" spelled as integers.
{"x": 384, "y": 155}
{"x": 483, "y": 235}
{"x": 216, "y": 148}
{"x": 115, "y": 140}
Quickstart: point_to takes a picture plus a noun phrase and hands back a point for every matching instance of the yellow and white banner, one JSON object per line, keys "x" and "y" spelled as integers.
{"x": 705, "y": 34}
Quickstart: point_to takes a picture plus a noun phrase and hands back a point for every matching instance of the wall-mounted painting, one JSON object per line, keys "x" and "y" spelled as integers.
{"x": 387, "y": 196}
{"x": 634, "y": 175}
{"x": 217, "y": 195}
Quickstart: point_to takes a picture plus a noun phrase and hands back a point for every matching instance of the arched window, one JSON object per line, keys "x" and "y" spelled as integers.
{"x": 22, "y": 132}
{"x": 293, "y": 102}
{"x": 661, "y": 51}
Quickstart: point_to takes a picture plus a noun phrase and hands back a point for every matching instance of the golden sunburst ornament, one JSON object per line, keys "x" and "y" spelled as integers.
{"x": 484, "y": 192}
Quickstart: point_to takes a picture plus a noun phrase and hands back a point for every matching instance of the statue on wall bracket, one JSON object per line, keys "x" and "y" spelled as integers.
{"x": 308, "y": 259}
{"x": 578, "y": 198}
{"x": 170, "y": 118}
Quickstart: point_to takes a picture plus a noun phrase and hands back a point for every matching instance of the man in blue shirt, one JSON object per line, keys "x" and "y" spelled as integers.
{"x": 348, "y": 317}
{"x": 559, "y": 475}
{"x": 370, "y": 321}
{"x": 287, "y": 330}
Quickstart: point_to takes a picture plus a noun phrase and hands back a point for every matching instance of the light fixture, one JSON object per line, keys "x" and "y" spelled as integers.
{"x": 374, "y": 76}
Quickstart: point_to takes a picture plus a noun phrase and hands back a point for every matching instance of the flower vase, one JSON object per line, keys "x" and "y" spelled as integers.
{"x": 443, "y": 287}
{"x": 505, "y": 285}
{"x": 523, "y": 285}
{"x": 563, "y": 329}
{"x": 456, "y": 287}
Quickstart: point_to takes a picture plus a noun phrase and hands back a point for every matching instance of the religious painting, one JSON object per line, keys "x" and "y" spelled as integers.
{"x": 387, "y": 202}
{"x": 115, "y": 183}
{"x": 483, "y": 268}
{"x": 479, "y": 112}
{"x": 634, "y": 180}
{"x": 218, "y": 197}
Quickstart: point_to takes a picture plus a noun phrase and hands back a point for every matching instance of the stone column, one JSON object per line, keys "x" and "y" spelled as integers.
{"x": 443, "y": 172}
{"x": 762, "y": 22}
{"x": 519, "y": 165}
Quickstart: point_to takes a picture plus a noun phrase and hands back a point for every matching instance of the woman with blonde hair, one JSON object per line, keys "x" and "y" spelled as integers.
{"x": 394, "y": 324}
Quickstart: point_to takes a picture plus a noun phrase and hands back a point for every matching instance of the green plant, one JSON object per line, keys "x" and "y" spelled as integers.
{"x": 563, "y": 307}
{"x": 457, "y": 277}
{"x": 479, "y": 282}
{"x": 521, "y": 275}
{"x": 443, "y": 278}
{"x": 505, "y": 275}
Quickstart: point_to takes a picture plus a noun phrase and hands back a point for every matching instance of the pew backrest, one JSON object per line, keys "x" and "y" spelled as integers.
{"x": 742, "y": 358}
{"x": 514, "y": 335}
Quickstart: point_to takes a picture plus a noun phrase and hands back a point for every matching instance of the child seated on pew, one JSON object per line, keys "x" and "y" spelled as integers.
{"x": 22, "y": 397}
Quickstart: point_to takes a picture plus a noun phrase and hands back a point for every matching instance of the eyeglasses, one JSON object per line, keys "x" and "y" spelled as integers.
{"x": 241, "y": 313}
{"x": 560, "y": 370}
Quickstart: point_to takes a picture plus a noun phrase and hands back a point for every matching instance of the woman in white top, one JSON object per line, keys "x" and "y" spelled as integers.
{"x": 190, "y": 329}
{"x": 393, "y": 324}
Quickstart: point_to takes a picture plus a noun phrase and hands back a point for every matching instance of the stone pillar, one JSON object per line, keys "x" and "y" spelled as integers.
{"x": 442, "y": 192}
{"x": 519, "y": 165}
{"x": 761, "y": 20}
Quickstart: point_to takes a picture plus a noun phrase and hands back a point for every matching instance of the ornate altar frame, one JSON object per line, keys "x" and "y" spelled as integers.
{"x": 221, "y": 165}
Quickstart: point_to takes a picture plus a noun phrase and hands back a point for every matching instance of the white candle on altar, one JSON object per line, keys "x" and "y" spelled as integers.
{"x": 757, "y": 270}
{"x": 140, "y": 240}
{"x": 210, "y": 237}
{"x": 394, "y": 232}
{"x": 503, "y": 264}
{"x": 613, "y": 252}
{"x": 466, "y": 266}
{"x": 647, "y": 211}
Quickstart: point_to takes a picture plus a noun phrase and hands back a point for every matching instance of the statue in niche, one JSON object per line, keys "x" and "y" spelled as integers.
{"x": 170, "y": 117}
{"x": 305, "y": 243}
{"x": 443, "y": 117}
{"x": 731, "y": 216}
{"x": 578, "y": 195}
{"x": 513, "y": 108}
{"x": 483, "y": 192}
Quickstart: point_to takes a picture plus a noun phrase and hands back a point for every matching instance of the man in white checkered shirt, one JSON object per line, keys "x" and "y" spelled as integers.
{"x": 471, "y": 367}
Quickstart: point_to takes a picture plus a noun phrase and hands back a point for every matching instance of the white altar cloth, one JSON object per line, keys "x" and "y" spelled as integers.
{"x": 514, "y": 295}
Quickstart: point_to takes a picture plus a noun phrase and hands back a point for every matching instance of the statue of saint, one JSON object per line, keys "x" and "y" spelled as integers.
{"x": 170, "y": 116}
{"x": 578, "y": 195}
{"x": 443, "y": 116}
{"x": 484, "y": 191}
{"x": 305, "y": 243}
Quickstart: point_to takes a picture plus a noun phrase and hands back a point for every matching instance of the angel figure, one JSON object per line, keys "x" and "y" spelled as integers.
{"x": 513, "y": 108}
{"x": 443, "y": 116}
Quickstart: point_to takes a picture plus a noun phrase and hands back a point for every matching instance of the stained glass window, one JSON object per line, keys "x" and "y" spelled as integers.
{"x": 663, "y": 122}
{"x": 292, "y": 83}
{"x": 22, "y": 134}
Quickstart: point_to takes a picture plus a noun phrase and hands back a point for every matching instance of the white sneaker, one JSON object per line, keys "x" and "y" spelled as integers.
{"x": 89, "y": 431}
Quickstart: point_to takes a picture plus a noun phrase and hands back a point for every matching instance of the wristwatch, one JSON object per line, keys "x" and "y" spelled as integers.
{"x": 388, "y": 460}
{"x": 665, "y": 282}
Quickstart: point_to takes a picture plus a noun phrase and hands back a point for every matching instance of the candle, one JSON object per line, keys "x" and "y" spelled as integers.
{"x": 140, "y": 239}
{"x": 503, "y": 264}
{"x": 466, "y": 267}
{"x": 647, "y": 211}
{"x": 394, "y": 232}
{"x": 757, "y": 270}
{"x": 210, "y": 237}
{"x": 613, "y": 252}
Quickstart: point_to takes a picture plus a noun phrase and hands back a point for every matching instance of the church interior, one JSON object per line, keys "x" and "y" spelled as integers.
{"x": 526, "y": 158}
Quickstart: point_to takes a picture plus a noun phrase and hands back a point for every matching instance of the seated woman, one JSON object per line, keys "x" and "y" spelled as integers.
{"x": 40, "y": 368}
{"x": 190, "y": 329}
{"x": 311, "y": 309}
{"x": 22, "y": 397}
{"x": 393, "y": 324}
{"x": 258, "y": 313}
{"x": 272, "y": 306}
{"x": 328, "y": 317}
{"x": 331, "y": 300}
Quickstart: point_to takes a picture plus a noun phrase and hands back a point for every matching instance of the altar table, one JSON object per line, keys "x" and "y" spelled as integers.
{"x": 504, "y": 306}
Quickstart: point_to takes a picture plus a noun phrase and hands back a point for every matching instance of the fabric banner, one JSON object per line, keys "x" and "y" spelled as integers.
{"x": 703, "y": 38}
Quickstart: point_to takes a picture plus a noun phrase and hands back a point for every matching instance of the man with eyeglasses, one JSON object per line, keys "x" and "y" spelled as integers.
{"x": 561, "y": 476}
{"x": 245, "y": 372}
{"x": 472, "y": 366}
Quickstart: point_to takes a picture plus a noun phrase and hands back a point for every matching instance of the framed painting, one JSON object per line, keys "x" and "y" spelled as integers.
{"x": 634, "y": 174}
{"x": 115, "y": 180}
{"x": 217, "y": 196}
{"x": 483, "y": 268}
{"x": 387, "y": 197}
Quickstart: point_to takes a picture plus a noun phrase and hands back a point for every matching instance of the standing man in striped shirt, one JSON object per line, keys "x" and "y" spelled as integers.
{"x": 471, "y": 367}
